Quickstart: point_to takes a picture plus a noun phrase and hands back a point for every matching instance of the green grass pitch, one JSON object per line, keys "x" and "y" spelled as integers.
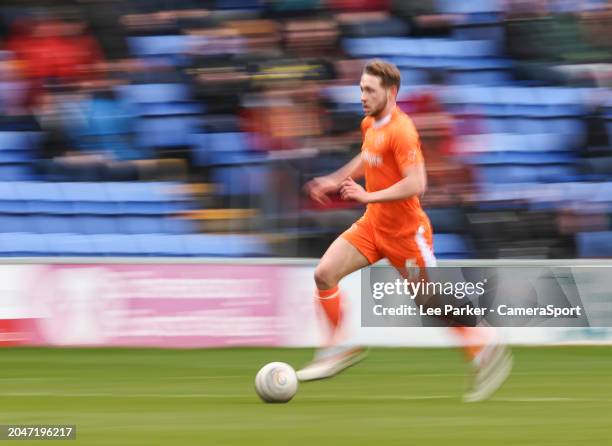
{"x": 556, "y": 396}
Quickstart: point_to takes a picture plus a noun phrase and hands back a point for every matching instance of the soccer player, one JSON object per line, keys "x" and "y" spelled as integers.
{"x": 394, "y": 226}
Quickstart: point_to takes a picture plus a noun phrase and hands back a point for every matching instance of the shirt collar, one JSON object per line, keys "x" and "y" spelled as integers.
{"x": 384, "y": 121}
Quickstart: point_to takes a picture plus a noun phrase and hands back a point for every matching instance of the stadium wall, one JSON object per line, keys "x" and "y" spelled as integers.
{"x": 187, "y": 303}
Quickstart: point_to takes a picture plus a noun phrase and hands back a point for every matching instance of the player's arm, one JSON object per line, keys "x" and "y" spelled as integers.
{"x": 352, "y": 169}
{"x": 319, "y": 187}
{"x": 406, "y": 150}
{"x": 414, "y": 182}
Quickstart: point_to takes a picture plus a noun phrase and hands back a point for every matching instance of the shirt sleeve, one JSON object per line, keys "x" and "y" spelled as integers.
{"x": 365, "y": 124}
{"x": 406, "y": 147}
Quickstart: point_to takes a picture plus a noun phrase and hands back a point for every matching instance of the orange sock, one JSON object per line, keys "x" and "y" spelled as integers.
{"x": 330, "y": 302}
{"x": 473, "y": 339}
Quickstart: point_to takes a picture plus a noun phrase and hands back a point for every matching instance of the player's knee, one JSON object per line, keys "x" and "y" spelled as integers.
{"x": 324, "y": 278}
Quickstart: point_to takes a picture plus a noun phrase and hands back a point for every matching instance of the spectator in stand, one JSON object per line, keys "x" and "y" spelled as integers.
{"x": 449, "y": 180}
{"x": 89, "y": 137}
{"x": 51, "y": 50}
{"x": 548, "y": 43}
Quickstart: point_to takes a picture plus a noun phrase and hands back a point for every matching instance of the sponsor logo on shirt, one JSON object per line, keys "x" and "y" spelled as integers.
{"x": 372, "y": 159}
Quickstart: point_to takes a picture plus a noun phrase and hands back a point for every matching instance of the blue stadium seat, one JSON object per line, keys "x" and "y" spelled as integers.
{"x": 221, "y": 123}
{"x": 9, "y": 200}
{"x": 43, "y": 197}
{"x": 173, "y": 225}
{"x": 241, "y": 180}
{"x": 8, "y": 156}
{"x": 533, "y": 158}
{"x": 469, "y": 6}
{"x": 507, "y": 174}
{"x": 524, "y": 174}
{"x": 403, "y": 46}
{"x": 16, "y": 223}
{"x": 69, "y": 245}
{"x": 478, "y": 63}
{"x": 514, "y": 142}
{"x": 227, "y": 142}
{"x": 139, "y": 191}
{"x": 498, "y": 125}
{"x": 14, "y": 206}
{"x": 450, "y": 246}
{"x": 223, "y": 245}
{"x": 387, "y": 27}
{"x": 38, "y": 191}
{"x": 114, "y": 244}
{"x": 413, "y": 76}
{"x": 52, "y": 224}
{"x": 222, "y": 148}
{"x": 88, "y": 198}
{"x": 140, "y": 224}
{"x": 480, "y": 28}
{"x": 344, "y": 94}
{"x": 154, "y": 93}
{"x": 83, "y": 191}
{"x": 15, "y": 140}
{"x": 421, "y": 62}
{"x": 458, "y": 48}
{"x": 15, "y": 172}
{"x": 20, "y": 244}
{"x": 601, "y": 193}
{"x": 170, "y": 109}
{"x": 567, "y": 126}
{"x": 160, "y": 244}
{"x": 559, "y": 95}
{"x": 239, "y": 4}
{"x": 168, "y": 131}
{"x": 147, "y": 197}
{"x": 148, "y": 208}
{"x": 96, "y": 224}
{"x": 96, "y": 207}
{"x": 446, "y": 220}
{"x": 531, "y": 125}
{"x": 160, "y": 99}
{"x": 158, "y": 45}
{"x": 594, "y": 244}
{"x": 134, "y": 191}
{"x": 489, "y": 77}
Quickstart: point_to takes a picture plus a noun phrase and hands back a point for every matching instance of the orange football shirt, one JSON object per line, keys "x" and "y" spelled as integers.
{"x": 388, "y": 149}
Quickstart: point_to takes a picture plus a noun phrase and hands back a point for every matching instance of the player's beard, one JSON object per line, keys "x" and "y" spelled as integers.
{"x": 377, "y": 112}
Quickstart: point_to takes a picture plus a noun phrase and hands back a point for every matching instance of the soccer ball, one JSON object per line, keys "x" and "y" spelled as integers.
{"x": 276, "y": 382}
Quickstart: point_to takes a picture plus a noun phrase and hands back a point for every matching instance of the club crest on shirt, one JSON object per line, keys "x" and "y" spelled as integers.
{"x": 379, "y": 140}
{"x": 372, "y": 159}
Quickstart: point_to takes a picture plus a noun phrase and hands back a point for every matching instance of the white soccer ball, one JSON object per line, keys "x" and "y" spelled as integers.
{"x": 276, "y": 382}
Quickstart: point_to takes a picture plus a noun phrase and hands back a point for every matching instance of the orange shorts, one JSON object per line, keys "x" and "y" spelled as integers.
{"x": 413, "y": 249}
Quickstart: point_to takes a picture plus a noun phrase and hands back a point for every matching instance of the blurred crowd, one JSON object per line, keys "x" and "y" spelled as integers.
{"x": 241, "y": 102}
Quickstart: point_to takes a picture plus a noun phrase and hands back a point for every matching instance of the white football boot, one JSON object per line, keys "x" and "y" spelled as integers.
{"x": 492, "y": 366}
{"x": 330, "y": 361}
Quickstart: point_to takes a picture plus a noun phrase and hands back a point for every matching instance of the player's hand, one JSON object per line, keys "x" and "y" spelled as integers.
{"x": 350, "y": 190}
{"x": 319, "y": 187}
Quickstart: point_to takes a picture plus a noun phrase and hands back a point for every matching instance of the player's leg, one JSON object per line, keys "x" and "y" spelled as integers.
{"x": 491, "y": 359}
{"x": 348, "y": 253}
{"x": 340, "y": 260}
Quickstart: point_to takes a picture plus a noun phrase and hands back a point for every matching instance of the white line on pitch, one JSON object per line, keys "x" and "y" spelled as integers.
{"x": 536, "y": 399}
{"x": 226, "y": 396}
{"x": 379, "y": 397}
{"x": 122, "y": 378}
{"x": 123, "y": 395}
{"x": 302, "y": 397}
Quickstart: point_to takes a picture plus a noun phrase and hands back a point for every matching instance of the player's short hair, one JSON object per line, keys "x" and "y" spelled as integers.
{"x": 388, "y": 73}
